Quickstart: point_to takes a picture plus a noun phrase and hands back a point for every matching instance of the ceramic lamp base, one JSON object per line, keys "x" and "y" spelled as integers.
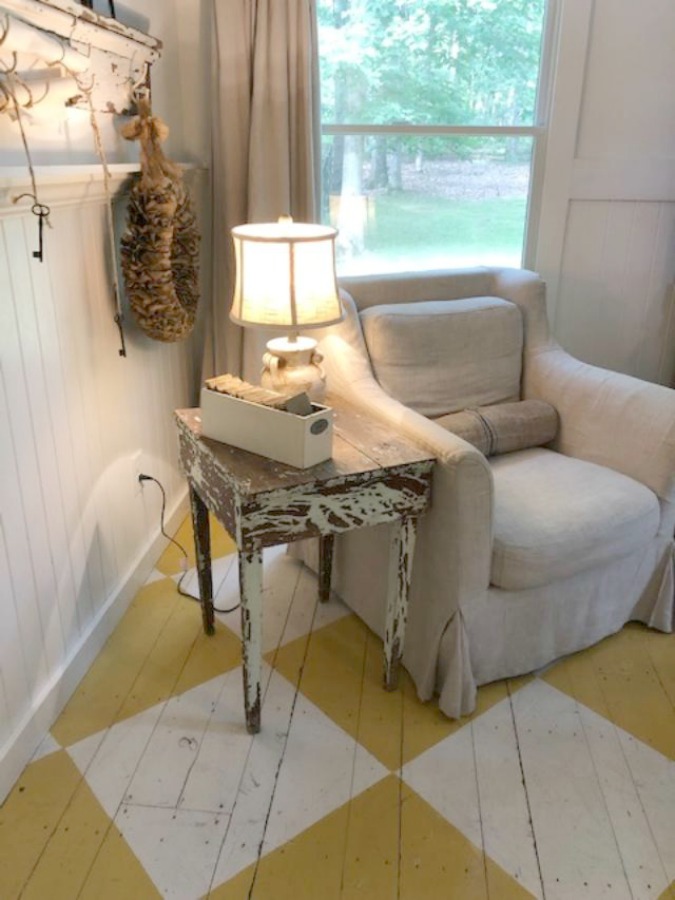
{"x": 293, "y": 364}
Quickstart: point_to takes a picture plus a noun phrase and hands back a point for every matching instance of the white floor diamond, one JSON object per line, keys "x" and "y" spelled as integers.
{"x": 595, "y": 794}
{"x": 321, "y": 769}
{"x": 177, "y": 848}
{"x": 108, "y": 760}
{"x": 184, "y": 779}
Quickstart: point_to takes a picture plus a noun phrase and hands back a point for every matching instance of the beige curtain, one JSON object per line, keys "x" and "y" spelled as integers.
{"x": 266, "y": 145}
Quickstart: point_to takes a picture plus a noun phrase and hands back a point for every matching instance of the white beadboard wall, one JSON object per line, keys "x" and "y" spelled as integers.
{"x": 77, "y": 533}
{"x": 77, "y": 421}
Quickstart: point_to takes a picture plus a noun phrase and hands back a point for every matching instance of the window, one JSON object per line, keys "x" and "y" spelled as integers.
{"x": 430, "y": 126}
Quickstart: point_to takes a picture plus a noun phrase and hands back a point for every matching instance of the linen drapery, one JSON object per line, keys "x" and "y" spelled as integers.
{"x": 266, "y": 145}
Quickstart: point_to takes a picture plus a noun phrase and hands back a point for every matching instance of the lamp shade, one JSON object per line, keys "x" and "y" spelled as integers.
{"x": 285, "y": 275}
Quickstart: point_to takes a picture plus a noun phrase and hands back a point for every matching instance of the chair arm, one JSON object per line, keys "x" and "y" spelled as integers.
{"x": 608, "y": 418}
{"x": 454, "y": 547}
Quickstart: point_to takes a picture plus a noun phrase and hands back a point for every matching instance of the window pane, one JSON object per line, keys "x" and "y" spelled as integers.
{"x": 403, "y": 203}
{"x": 439, "y": 62}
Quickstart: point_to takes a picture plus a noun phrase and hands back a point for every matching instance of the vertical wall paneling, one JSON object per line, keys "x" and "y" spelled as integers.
{"x": 27, "y": 506}
{"x": 565, "y": 104}
{"x": 14, "y": 680}
{"x": 615, "y": 297}
{"x": 73, "y": 342}
{"x": 65, "y": 493}
{"x": 40, "y": 414}
{"x": 21, "y": 637}
{"x": 78, "y": 534}
{"x": 606, "y": 243}
{"x": 628, "y": 111}
{"x": 76, "y": 529}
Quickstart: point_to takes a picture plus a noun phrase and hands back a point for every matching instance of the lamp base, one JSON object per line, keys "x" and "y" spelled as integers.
{"x": 292, "y": 364}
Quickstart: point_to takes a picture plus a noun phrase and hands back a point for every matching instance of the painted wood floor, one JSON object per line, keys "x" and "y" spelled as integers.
{"x": 560, "y": 786}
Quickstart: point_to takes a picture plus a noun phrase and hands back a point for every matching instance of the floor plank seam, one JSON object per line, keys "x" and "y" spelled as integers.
{"x": 280, "y": 642}
{"x": 525, "y": 790}
{"x": 401, "y": 693}
{"x": 111, "y": 825}
{"x": 603, "y": 794}
{"x": 662, "y": 684}
{"x": 364, "y": 663}
{"x": 288, "y": 731}
{"x": 42, "y": 852}
{"x": 250, "y": 748}
{"x": 620, "y": 740}
{"x": 209, "y": 719}
{"x": 480, "y": 811}
{"x": 234, "y": 804}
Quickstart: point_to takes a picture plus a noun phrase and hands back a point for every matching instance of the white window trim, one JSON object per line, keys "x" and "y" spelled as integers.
{"x": 538, "y": 131}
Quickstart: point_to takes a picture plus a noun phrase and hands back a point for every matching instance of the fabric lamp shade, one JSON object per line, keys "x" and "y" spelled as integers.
{"x": 285, "y": 276}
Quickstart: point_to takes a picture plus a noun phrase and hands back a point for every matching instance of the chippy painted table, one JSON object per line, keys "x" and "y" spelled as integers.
{"x": 373, "y": 477}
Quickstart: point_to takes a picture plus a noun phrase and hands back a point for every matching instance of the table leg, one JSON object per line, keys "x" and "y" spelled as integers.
{"x": 400, "y": 568}
{"x": 250, "y": 594}
{"x": 326, "y": 542}
{"x": 200, "y": 526}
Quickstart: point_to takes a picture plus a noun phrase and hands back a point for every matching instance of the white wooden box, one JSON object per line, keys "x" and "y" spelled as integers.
{"x": 300, "y": 441}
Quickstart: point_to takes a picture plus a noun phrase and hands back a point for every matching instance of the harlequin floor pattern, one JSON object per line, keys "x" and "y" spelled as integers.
{"x": 559, "y": 786}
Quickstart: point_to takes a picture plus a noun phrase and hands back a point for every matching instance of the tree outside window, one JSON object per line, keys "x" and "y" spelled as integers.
{"x": 429, "y": 126}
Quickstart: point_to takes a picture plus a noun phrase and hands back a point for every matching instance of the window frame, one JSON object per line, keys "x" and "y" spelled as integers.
{"x": 537, "y": 131}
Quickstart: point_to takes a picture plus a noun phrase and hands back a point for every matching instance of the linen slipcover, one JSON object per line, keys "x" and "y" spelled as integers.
{"x": 504, "y": 427}
{"x": 424, "y": 353}
{"x": 555, "y": 516}
{"x": 463, "y": 630}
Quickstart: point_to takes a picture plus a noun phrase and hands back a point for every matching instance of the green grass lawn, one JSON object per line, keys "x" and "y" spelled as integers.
{"x": 419, "y": 224}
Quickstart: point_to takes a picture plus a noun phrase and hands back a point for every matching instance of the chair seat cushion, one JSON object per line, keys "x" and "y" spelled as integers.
{"x": 556, "y": 516}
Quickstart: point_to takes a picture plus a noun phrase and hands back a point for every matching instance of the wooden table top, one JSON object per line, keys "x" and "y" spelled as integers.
{"x": 360, "y": 445}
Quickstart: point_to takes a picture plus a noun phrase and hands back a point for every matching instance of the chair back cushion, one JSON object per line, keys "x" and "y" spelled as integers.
{"x": 440, "y": 356}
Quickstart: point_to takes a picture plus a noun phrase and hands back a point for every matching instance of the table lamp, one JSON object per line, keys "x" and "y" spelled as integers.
{"x": 286, "y": 279}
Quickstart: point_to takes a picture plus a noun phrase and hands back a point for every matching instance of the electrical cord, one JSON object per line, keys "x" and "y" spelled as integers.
{"x": 182, "y": 549}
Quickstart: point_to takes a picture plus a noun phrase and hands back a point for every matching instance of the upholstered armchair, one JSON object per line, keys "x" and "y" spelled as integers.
{"x": 527, "y": 556}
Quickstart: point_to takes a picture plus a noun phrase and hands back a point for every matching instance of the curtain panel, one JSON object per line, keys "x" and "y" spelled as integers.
{"x": 266, "y": 158}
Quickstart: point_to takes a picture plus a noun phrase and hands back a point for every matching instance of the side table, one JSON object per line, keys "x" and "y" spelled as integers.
{"x": 372, "y": 477}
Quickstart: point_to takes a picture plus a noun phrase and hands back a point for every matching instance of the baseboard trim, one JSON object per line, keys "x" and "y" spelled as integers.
{"x": 21, "y": 746}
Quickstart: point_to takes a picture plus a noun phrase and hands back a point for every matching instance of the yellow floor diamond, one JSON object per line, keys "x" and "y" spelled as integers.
{"x": 157, "y": 650}
{"x": 342, "y": 675}
{"x": 385, "y": 843}
{"x": 51, "y": 828}
{"x": 630, "y": 680}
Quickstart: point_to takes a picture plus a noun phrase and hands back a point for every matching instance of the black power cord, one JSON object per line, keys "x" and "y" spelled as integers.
{"x": 179, "y": 588}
